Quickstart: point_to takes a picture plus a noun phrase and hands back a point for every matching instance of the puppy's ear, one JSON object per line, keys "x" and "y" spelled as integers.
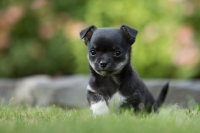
{"x": 87, "y": 33}
{"x": 129, "y": 33}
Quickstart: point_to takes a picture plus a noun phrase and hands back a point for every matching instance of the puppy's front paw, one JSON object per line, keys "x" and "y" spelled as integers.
{"x": 100, "y": 108}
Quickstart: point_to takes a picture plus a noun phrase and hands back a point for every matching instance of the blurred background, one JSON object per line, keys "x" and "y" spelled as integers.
{"x": 42, "y": 36}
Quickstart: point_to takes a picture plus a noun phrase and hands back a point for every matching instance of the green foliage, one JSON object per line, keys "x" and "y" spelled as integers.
{"x": 31, "y": 54}
{"x": 54, "y": 119}
{"x": 48, "y": 57}
{"x": 154, "y": 52}
{"x": 157, "y": 22}
{"x": 152, "y": 56}
{"x": 192, "y": 19}
{"x": 5, "y": 3}
{"x": 80, "y": 52}
{"x": 27, "y": 27}
{"x": 74, "y": 8}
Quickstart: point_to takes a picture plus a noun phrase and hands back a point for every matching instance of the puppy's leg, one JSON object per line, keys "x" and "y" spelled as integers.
{"x": 97, "y": 104}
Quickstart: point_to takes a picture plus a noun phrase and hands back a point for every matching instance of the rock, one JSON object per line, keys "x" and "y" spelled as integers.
{"x": 181, "y": 92}
{"x": 66, "y": 91}
{"x": 7, "y": 88}
{"x": 41, "y": 90}
{"x": 25, "y": 87}
{"x": 70, "y": 91}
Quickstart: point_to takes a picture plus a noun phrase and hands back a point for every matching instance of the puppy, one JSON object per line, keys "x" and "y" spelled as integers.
{"x": 113, "y": 82}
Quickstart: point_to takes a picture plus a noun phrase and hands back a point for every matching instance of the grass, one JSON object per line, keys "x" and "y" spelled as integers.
{"x": 57, "y": 120}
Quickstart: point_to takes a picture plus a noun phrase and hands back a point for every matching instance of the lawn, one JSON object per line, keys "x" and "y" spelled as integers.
{"x": 57, "y": 120}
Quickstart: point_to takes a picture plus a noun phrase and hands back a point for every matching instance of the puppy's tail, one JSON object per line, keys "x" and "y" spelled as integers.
{"x": 162, "y": 94}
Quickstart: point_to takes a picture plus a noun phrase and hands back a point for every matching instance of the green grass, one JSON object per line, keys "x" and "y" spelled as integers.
{"x": 57, "y": 120}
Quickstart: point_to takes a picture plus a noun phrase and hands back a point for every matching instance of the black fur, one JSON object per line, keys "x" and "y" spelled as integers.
{"x": 108, "y": 76}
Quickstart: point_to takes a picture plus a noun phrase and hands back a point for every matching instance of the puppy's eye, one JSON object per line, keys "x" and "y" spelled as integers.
{"x": 93, "y": 52}
{"x": 117, "y": 53}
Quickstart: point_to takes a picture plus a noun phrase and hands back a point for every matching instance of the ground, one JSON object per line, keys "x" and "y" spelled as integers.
{"x": 56, "y": 120}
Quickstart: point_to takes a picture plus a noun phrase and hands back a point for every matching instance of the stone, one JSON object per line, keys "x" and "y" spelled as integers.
{"x": 25, "y": 87}
{"x": 7, "y": 89}
{"x": 67, "y": 91}
{"x": 70, "y": 91}
{"x": 181, "y": 92}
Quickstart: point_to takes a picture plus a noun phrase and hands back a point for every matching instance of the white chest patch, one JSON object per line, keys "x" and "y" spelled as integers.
{"x": 116, "y": 101}
{"x": 101, "y": 108}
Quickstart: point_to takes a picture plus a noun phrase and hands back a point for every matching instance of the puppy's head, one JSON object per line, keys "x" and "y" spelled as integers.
{"x": 109, "y": 49}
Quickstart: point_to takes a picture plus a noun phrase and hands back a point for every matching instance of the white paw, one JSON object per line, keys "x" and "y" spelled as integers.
{"x": 100, "y": 108}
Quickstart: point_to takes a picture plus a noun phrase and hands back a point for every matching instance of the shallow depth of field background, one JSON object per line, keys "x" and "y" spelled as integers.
{"x": 42, "y": 36}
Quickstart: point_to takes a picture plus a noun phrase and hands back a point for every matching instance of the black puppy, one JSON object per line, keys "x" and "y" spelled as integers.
{"x": 113, "y": 81}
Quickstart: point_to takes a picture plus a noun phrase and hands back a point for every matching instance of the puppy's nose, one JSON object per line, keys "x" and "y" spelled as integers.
{"x": 103, "y": 64}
